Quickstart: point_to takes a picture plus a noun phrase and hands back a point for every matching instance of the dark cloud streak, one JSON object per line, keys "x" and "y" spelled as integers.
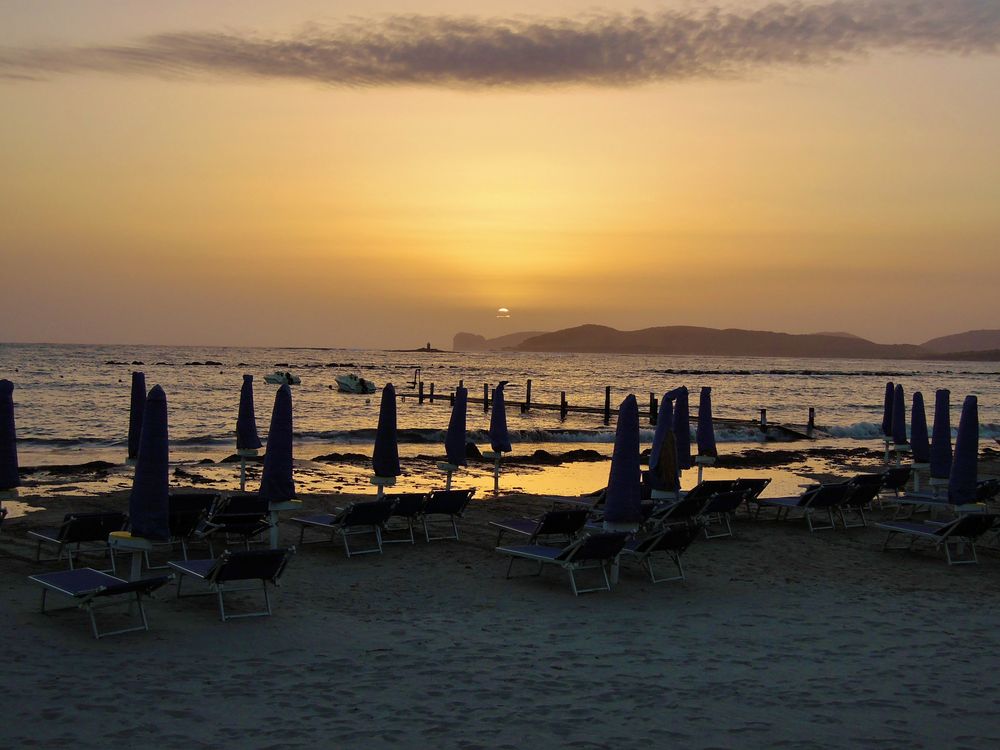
{"x": 603, "y": 49}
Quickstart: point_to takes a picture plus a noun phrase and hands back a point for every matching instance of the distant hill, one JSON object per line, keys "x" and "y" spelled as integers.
{"x": 473, "y": 342}
{"x": 714, "y": 341}
{"x": 842, "y": 334}
{"x": 970, "y": 341}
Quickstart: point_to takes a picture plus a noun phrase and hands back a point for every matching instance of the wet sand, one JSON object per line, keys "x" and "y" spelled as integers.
{"x": 778, "y": 638}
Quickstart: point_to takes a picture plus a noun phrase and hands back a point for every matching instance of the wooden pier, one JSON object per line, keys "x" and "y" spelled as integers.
{"x": 425, "y": 392}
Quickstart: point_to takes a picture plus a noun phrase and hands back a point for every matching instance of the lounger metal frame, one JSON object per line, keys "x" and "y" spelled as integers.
{"x": 673, "y": 539}
{"x": 960, "y": 532}
{"x": 67, "y": 535}
{"x": 218, "y": 581}
{"x": 566, "y": 558}
{"x": 451, "y": 503}
{"x": 407, "y": 506}
{"x": 373, "y": 515}
{"x": 90, "y": 599}
{"x": 564, "y": 524}
{"x": 810, "y": 501}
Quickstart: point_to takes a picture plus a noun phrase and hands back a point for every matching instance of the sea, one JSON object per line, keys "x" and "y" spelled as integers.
{"x": 72, "y": 405}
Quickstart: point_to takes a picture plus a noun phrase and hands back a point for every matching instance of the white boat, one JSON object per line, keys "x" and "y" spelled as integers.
{"x": 354, "y": 384}
{"x": 282, "y": 378}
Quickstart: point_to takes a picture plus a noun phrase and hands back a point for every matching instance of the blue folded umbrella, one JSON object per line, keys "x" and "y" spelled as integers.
{"x": 136, "y": 405}
{"x": 9, "y": 476}
{"x": 898, "y": 417}
{"x": 941, "y": 439}
{"x": 705, "y": 433}
{"x": 276, "y": 482}
{"x": 149, "y": 503}
{"x": 246, "y": 422}
{"x": 963, "y": 479}
{"x": 623, "y": 502}
{"x": 682, "y": 429}
{"x": 454, "y": 440}
{"x": 919, "y": 442}
{"x": 663, "y": 455}
{"x": 385, "y": 457}
{"x": 499, "y": 436}
{"x": 890, "y": 391}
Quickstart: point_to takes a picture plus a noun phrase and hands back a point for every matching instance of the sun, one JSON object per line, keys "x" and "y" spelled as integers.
{"x": 503, "y": 312}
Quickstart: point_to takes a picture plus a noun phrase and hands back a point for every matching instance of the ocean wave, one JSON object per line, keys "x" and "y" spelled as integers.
{"x": 778, "y": 372}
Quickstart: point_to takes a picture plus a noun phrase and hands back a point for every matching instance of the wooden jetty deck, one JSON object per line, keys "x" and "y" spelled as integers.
{"x": 425, "y": 392}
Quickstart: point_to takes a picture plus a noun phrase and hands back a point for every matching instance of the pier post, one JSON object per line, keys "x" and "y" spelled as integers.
{"x": 811, "y": 424}
{"x": 607, "y": 404}
{"x": 420, "y": 392}
{"x": 451, "y": 398}
{"x": 432, "y": 393}
{"x": 486, "y": 397}
{"x": 563, "y": 406}
{"x": 763, "y": 420}
{"x": 652, "y": 408}
{"x": 527, "y": 396}
{"x": 461, "y": 383}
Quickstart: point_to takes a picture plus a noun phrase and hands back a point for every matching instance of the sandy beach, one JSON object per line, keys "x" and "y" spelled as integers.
{"x": 778, "y": 638}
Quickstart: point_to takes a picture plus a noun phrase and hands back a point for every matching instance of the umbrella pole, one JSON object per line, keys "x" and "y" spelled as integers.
{"x": 496, "y": 473}
{"x": 243, "y": 474}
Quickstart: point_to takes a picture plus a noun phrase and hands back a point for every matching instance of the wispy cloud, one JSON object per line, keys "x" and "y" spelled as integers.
{"x": 599, "y": 49}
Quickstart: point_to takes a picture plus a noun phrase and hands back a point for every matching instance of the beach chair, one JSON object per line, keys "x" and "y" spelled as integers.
{"x": 866, "y": 491}
{"x": 894, "y": 482}
{"x": 224, "y": 574}
{"x": 751, "y": 489}
{"x": 953, "y": 536}
{"x": 242, "y": 516}
{"x": 78, "y": 529}
{"x": 368, "y": 517}
{"x": 448, "y": 503}
{"x": 556, "y": 524}
{"x": 671, "y": 539}
{"x": 821, "y": 497}
{"x": 407, "y": 507}
{"x": 595, "y": 552}
{"x": 721, "y": 508}
{"x": 186, "y": 513}
{"x": 690, "y": 505}
{"x": 93, "y": 589}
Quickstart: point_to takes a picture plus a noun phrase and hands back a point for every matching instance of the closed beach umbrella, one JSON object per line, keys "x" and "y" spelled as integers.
{"x": 276, "y": 482}
{"x": 706, "y": 430}
{"x": 898, "y": 417}
{"x": 919, "y": 442}
{"x": 385, "y": 458}
{"x": 9, "y": 476}
{"x": 246, "y": 422}
{"x": 941, "y": 439}
{"x": 454, "y": 441}
{"x": 663, "y": 456}
{"x": 962, "y": 482}
{"x": 682, "y": 429}
{"x": 499, "y": 437}
{"x": 623, "y": 502}
{"x": 890, "y": 391}
{"x": 135, "y": 409}
{"x": 148, "y": 504}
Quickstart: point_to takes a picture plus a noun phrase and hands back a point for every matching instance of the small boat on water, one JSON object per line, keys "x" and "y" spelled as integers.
{"x": 353, "y": 383}
{"x": 282, "y": 378}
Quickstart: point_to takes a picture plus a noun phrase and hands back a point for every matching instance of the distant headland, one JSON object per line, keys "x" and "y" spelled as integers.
{"x": 982, "y": 345}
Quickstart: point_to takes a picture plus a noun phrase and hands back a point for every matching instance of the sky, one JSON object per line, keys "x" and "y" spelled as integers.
{"x": 386, "y": 174}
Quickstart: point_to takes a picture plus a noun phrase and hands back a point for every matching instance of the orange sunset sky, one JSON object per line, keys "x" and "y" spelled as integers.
{"x": 383, "y": 174}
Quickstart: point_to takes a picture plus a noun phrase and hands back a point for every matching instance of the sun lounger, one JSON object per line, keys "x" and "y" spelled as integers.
{"x": 598, "y": 552}
{"x": 556, "y": 524}
{"x": 265, "y": 566}
{"x": 368, "y": 517}
{"x": 894, "y": 482}
{"x": 241, "y": 516}
{"x": 93, "y": 589}
{"x": 672, "y": 539}
{"x": 721, "y": 507}
{"x": 821, "y": 497}
{"x": 78, "y": 529}
{"x": 866, "y": 491}
{"x": 448, "y": 503}
{"x": 406, "y": 506}
{"x": 751, "y": 489}
{"x": 953, "y": 536}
